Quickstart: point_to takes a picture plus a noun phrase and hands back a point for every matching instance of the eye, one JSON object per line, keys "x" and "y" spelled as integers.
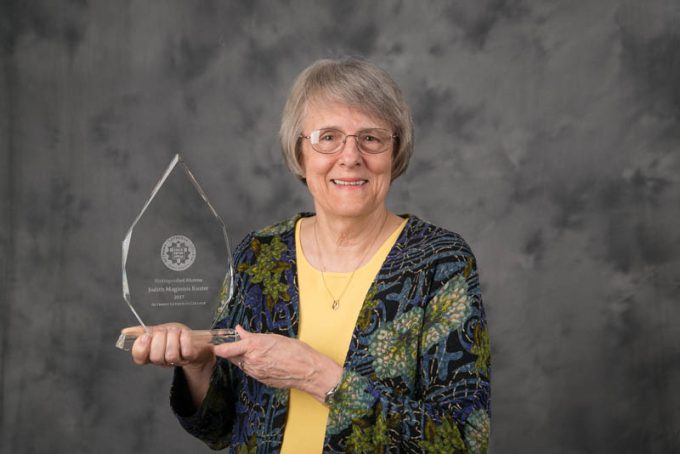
{"x": 370, "y": 138}
{"x": 328, "y": 135}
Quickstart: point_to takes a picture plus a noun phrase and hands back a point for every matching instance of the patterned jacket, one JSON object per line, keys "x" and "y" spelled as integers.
{"x": 416, "y": 376}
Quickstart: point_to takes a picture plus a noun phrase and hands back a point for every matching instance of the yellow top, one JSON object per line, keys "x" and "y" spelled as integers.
{"x": 327, "y": 331}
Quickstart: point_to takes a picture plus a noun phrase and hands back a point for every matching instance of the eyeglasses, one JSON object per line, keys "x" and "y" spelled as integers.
{"x": 329, "y": 141}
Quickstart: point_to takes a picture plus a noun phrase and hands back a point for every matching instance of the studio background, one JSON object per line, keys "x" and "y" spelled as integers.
{"x": 547, "y": 134}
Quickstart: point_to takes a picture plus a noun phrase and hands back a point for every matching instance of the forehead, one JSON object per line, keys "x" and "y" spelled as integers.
{"x": 322, "y": 113}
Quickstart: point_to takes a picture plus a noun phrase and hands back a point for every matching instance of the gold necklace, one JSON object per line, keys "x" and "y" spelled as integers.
{"x": 336, "y": 301}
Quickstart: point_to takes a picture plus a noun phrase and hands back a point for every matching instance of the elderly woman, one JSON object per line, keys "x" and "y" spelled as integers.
{"x": 361, "y": 330}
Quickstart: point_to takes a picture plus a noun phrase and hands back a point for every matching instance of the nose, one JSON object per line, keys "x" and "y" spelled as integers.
{"x": 356, "y": 140}
{"x": 350, "y": 154}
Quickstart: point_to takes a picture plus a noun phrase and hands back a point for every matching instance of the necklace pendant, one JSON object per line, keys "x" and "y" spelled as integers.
{"x": 336, "y": 305}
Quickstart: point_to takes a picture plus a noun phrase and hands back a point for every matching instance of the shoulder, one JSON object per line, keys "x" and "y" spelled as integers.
{"x": 425, "y": 246}
{"x": 421, "y": 235}
{"x": 282, "y": 233}
{"x": 281, "y": 228}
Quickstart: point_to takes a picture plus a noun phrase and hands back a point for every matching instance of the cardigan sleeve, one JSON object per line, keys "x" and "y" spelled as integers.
{"x": 213, "y": 420}
{"x": 430, "y": 384}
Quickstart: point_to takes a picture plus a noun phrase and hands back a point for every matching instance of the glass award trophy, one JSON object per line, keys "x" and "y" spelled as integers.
{"x": 176, "y": 260}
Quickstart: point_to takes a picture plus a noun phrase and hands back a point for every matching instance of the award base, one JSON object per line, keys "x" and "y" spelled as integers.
{"x": 212, "y": 336}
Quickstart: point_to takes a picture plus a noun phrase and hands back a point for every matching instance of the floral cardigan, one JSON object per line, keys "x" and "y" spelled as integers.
{"x": 416, "y": 376}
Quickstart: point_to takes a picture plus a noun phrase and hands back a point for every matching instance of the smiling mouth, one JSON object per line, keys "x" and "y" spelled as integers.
{"x": 350, "y": 183}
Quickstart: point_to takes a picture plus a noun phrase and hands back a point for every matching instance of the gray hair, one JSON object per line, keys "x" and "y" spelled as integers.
{"x": 354, "y": 82}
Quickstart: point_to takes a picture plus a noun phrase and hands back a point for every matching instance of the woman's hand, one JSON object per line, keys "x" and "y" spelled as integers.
{"x": 172, "y": 345}
{"x": 169, "y": 345}
{"x": 282, "y": 362}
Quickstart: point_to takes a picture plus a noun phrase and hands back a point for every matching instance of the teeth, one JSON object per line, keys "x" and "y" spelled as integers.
{"x": 349, "y": 183}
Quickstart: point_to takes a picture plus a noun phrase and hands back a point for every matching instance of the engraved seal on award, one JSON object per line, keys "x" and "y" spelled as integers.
{"x": 178, "y": 252}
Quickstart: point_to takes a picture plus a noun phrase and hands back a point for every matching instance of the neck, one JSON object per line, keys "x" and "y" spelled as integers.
{"x": 347, "y": 232}
{"x": 344, "y": 244}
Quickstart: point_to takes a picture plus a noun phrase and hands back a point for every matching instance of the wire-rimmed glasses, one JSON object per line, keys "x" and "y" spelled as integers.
{"x": 329, "y": 141}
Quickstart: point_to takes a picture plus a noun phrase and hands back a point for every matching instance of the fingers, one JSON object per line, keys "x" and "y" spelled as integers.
{"x": 133, "y": 331}
{"x": 232, "y": 349}
{"x": 187, "y": 349}
{"x": 162, "y": 347}
{"x": 158, "y": 341}
{"x": 140, "y": 349}
{"x": 173, "y": 353}
{"x": 255, "y": 353}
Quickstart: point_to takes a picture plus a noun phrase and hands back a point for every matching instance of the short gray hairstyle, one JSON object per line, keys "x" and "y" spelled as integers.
{"x": 356, "y": 83}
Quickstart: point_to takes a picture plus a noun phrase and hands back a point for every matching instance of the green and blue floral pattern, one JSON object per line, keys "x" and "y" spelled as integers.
{"x": 394, "y": 346}
{"x": 267, "y": 270}
{"x": 477, "y": 431}
{"x": 447, "y": 311}
{"x": 351, "y": 402}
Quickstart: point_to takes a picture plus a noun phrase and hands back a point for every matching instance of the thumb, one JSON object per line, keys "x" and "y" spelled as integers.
{"x": 242, "y": 333}
{"x": 231, "y": 349}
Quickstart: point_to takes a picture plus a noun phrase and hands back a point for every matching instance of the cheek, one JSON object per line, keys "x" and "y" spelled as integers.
{"x": 316, "y": 164}
{"x": 383, "y": 167}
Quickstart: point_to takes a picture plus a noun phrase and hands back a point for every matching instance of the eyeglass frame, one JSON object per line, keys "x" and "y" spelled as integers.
{"x": 393, "y": 136}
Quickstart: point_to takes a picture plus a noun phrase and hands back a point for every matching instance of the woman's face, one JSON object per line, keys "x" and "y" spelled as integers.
{"x": 348, "y": 183}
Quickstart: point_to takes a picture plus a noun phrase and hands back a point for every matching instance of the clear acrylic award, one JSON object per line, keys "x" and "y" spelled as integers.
{"x": 177, "y": 264}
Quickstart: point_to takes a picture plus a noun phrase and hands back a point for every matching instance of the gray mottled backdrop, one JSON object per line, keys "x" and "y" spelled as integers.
{"x": 548, "y": 135}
